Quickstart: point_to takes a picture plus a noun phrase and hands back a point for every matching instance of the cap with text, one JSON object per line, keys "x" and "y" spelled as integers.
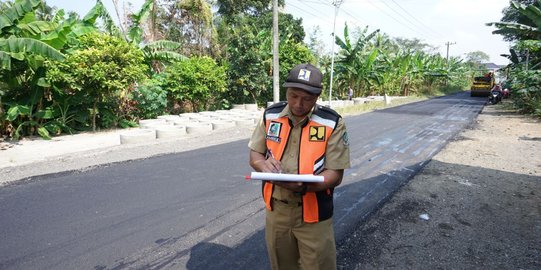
{"x": 306, "y": 77}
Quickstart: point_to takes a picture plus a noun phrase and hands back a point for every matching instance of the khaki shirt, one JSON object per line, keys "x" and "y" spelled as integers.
{"x": 337, "y": 153}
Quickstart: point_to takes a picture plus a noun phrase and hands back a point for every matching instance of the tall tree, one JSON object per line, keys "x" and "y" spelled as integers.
{"x": 190, "y": 23}
{"x": 232, "y": 10}
{"x": 197, "y": 26}
{"x": 477, "y": 57}
{"x": 290, "y": 28}
{"x": 245, "y": 27}
{"x": 414, "y": 44}
{"x": 316, "y": 44}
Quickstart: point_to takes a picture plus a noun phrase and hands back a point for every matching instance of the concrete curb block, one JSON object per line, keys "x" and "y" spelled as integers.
{"x": 148, "y": 123}
{"x": 223, "y": 124}
{"x": 250, "y": 107}
{"x": 138, "y": 136}
{"x": 198, "y": 128}
{"x": 238, "y": 107}
{"x": 169, "y": 118}
{"x": 183, "y": 122}
{"x": 170, "y": 131}
{"x": 244, "y": 122}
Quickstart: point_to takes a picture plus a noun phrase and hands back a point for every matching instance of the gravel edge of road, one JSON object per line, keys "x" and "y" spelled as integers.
{"x": 456, "y": 216}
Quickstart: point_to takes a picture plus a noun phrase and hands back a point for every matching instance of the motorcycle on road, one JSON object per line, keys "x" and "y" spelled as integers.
{"x": 495, "y": 96}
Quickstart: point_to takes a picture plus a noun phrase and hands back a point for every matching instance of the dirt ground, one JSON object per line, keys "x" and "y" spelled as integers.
{"x": 476, "y": 205}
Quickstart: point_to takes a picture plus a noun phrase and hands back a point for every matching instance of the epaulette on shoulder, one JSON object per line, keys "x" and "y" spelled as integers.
{"x": 327, "y": 110}
{"x": 276, "y": 107}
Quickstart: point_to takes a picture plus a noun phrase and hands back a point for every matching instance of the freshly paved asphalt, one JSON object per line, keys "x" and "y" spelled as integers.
{"x": 194, "y": 210}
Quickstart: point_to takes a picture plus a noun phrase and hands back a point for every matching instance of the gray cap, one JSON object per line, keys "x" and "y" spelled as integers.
{"x": 305, "y": 77}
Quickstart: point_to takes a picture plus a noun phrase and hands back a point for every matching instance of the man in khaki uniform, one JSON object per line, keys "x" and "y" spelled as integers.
{"x": 300, "y": 137}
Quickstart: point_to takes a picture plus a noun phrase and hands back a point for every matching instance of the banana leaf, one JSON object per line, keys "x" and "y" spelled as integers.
{"x": 9, "y": 16}
{"x": 37, "y": 27}
{"x": 530, "y": 11}
{"x": 15, "y": 111}
{"x": 5, "y": 60}
{"x": 166, "y": 56}
{"x": 99, "y": 11}
{"x": 29, "y": 45}
{"x": 163, "y": 44}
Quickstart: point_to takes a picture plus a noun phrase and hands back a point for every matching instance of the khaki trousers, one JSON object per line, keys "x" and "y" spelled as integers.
{"x": 293, "y": 244}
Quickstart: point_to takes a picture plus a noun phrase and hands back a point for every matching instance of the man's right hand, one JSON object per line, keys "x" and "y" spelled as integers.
{"x": 261, "y": 164}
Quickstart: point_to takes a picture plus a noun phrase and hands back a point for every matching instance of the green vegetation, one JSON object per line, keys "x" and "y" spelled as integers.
{"x": 99, "y": 74}
{"x": 60, "y": 73}
{"x": 196, "y": 83}
{"x": 521, "y": 25}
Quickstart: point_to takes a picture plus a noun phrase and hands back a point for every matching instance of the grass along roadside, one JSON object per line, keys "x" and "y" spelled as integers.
{"x": 396, "y": 101}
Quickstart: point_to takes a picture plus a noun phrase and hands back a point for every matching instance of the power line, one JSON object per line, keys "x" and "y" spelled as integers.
{"x": 302, "y": 9}
{"x": 323, "y": 16}
{"x": 420, "y": 31}
{"x": 408, "y": 20}
{"x": 438, "y": 34}
{"x": 355, "y": 18}
{"x": 392, "y": 17}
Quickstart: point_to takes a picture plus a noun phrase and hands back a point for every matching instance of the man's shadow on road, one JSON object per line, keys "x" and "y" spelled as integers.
{"x": 251, "y": 253}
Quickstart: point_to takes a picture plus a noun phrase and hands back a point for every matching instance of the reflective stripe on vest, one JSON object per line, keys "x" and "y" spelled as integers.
{"x": 315, "y": 134}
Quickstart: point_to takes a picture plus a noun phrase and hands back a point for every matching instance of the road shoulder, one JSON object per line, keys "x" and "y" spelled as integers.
{"x": 475, "y": 204}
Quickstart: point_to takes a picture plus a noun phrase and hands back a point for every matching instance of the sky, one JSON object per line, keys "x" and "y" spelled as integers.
{"x": 460, "y": 23}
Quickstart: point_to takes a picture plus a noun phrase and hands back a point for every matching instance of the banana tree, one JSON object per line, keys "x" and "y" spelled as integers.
{"x": 354, "y": 63}
{"x": 19, "y": 31}
{"x": 434, "y": 70}
{"x": 532, "y": 30}
{"x": 26, "y": 44}
{"x": 99, "y": 11}
{"x": 154, "y": 52}
{"x": 22, "y": 55}
{"x": 528, "y": 33}
{"x": 402, "y": 62}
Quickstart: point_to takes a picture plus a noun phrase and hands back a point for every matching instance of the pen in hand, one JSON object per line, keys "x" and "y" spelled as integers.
{"x": 272, "y": 155}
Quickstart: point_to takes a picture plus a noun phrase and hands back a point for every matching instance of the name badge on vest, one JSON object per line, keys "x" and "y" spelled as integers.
{"x": 317, "y": 134}
{"x": 273, "y": 133}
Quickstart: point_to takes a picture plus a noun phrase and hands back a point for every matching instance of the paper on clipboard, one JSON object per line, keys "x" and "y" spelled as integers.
{"x": 285, "y": 177}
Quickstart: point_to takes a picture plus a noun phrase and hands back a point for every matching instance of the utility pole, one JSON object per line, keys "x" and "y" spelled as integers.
{"x": 275, "y": 60}
{"x": 448, "y": 44}
{"x": 336, "y": 5}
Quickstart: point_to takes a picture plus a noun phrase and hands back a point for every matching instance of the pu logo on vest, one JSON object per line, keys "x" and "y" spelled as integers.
{"x": 273, "y": 133}
{"x": 317, "y": 134}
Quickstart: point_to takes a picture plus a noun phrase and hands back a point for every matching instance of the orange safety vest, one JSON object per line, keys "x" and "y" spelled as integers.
{"x": 317, "y": 206}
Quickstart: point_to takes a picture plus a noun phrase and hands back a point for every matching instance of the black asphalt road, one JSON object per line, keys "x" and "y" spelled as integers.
{"x": 194, "y": 210}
